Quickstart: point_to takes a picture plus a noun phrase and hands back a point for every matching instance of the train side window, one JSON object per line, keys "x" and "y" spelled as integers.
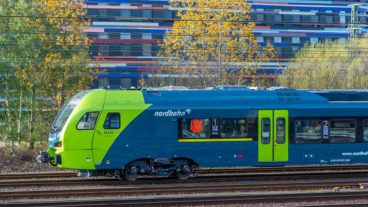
{"x": 365, "y": 130}
{"x": 88, "y": 121}
{"x": 266, "y": 127}
{"x": 342, "y": 131}
{"x": 233, "y": 128}
{"x": 196, "y": 128}
{"x": 280, "y": 131}
{"x": 308, "y": 131}
{"x": 112, "y": 121}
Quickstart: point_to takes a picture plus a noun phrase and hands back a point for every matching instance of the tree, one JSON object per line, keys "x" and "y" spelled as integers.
{"x": 13, "y": 41}
{"x": 329, "y": 65}
{"x": 59, "y": 67}
{"x": 212, "y": 43}
{"x": 63, "y": 54}
{"x": 45, "y": 61}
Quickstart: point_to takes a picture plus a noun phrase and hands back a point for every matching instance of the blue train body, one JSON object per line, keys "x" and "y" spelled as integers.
{"x": 279, "y": 128}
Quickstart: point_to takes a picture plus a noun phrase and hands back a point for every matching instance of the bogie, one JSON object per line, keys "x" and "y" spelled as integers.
{"x": 161, "y": 167}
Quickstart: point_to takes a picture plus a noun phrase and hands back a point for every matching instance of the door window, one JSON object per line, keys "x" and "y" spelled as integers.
{"x": 266, "y": 131}
{"x": 112, "y": 121}
{"x": 280, "y": 131}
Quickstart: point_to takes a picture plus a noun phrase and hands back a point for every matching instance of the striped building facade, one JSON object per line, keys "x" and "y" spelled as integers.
{"x": 126, "y": 33}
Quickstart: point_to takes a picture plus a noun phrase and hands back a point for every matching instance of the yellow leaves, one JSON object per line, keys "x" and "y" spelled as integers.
{"x": 213, "y": 36}
{"x": 62, "y": 61}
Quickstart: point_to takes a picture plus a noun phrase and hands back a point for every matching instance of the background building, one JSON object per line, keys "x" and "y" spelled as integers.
{"x": 126, "y": 33}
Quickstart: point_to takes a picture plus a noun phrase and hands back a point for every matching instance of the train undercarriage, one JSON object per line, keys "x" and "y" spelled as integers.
{"x": 181, "y": 168}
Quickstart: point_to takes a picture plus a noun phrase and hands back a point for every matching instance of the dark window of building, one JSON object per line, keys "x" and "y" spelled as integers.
{"x": 136, "y": 36}
{"x": 136, "y": 49}
{"x": 113, "y": 13}
{"x": 305, "y": 18}
{"x": 88, "y": 121}
{"x": 125, "y": 49}
{"x": 277, "y": 18}
{"x": 114, "y": 35}
{"x": 93, "y": 50}
{"x": 114, "y": 50}
{"x": 342, "y": 131}
{"x": 269, "y": 39}
{"x": 103, "y": 49}
{"x": 156, "y": 36}
{"x": 326, "y": 18}
{"x": 162, "y": 14}
{"x": 287, "y": 39}
{"x": 295, "y": 18}
{"x": 308, "y": 131}
{"x": 286, "y": 52}
{"x": 93, "y": 12}
{"x": 92, "y": 35}
{"x": 287, "y": 18}
{"x": 147, "y": 13}
{"x": 103, "y": 12}
{"x": 112, "y": 121}
{"x": 314, "y": 18}
{"x": 136, "y": 13}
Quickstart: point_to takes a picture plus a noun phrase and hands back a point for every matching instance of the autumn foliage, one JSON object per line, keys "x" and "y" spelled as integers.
{"x": 212, "y": 43}
{"x": 62, "y": 69}
{"x": 44, "y": 61}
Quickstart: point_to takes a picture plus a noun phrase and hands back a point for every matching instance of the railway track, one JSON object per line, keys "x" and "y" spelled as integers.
{"x": 217, "y": 171}
{"x": 203, "y": 199}
{"x": 37, "y": 175}
{"x": 213, "y": 187}
{"x": 202, "y": 178}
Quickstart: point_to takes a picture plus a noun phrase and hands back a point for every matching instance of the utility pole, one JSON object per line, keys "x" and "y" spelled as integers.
{"x": 354, "y": 23}
{"x": 354, "y": 28}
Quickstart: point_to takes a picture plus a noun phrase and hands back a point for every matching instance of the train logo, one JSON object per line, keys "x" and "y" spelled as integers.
{"x": 170, "y": 113}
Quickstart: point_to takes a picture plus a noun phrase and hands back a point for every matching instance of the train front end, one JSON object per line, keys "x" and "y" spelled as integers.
{"x": 69, "y": 142}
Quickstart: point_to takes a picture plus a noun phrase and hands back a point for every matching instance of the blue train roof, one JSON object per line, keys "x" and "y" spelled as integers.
{"x": 233, "y": 96}
{"x": 343, "y": 95}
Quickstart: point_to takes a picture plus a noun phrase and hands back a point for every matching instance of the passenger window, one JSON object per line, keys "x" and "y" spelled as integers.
{"x": 234, "y": 128}
{"x": 342, "y": 131}
{"x": 112, "y": 121}
{"x": 266, "y": 131}
{"x": 365, "y": 130}
{"x": 196, "y": 128}
{"x": 88, "y": 121}
{"x": 308, "y": 131}
{"x": 280, "y": 131}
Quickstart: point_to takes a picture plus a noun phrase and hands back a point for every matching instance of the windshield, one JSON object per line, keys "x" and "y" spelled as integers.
{"x": 66, "y": 111}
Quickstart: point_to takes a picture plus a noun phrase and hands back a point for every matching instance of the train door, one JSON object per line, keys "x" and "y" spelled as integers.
{"x": 107, "y": 130}
{"x": 273, "y": 136}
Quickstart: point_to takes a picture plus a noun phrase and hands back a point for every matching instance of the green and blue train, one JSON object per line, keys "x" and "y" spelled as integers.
{"x": 158, "y": 132}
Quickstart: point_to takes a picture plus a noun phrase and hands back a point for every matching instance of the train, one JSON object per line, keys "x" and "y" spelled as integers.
{"x": 174, "y": 132}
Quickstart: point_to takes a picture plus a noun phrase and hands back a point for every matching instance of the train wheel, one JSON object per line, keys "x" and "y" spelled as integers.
{"x": 184, "y": 172}
{"x": 130, "y": 173}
